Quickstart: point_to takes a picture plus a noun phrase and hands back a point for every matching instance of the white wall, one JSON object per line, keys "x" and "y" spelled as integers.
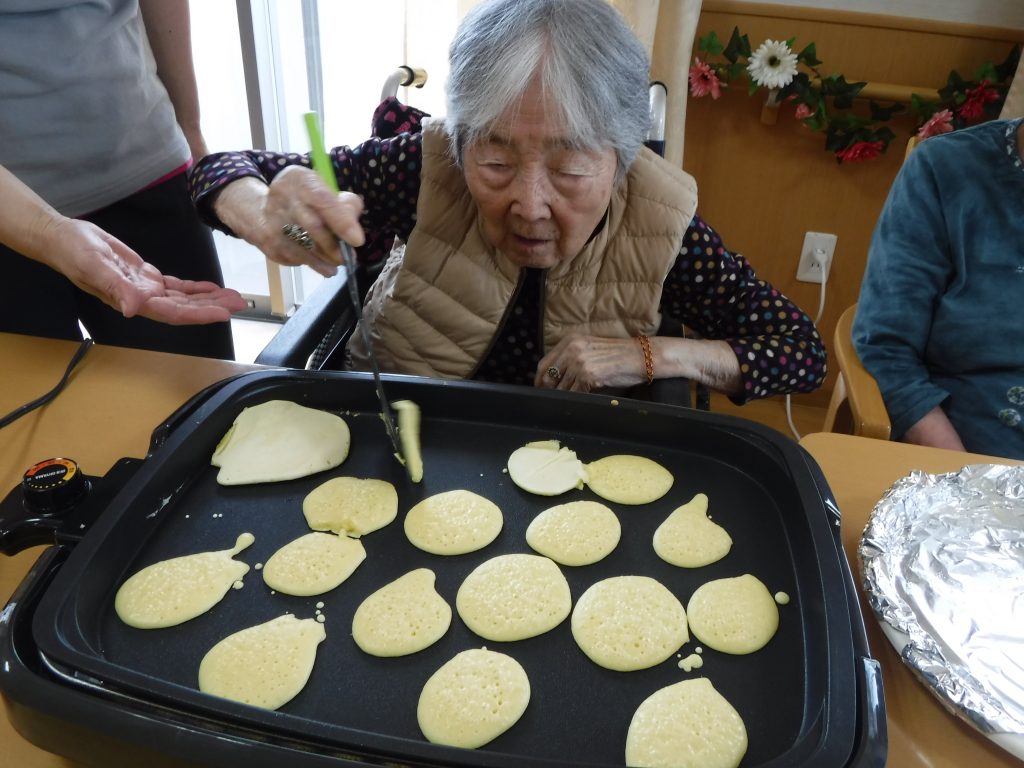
{"x": 987, "y": 13}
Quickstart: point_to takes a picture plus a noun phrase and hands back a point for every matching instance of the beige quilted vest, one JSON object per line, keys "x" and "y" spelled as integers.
{"x": 435, "y": 309}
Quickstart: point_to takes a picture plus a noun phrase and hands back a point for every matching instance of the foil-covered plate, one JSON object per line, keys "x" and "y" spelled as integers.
{"x": 942, "y": 564}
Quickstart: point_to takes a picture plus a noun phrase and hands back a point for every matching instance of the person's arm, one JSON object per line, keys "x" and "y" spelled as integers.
{"x": 168, "y": 28}
{"x": 934, "y": 429}
{"x": 102, "y": 265}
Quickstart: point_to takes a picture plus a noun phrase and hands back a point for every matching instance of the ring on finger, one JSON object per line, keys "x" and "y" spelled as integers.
{"x": 554, "y": 373}
{"x": 298, "y": 235}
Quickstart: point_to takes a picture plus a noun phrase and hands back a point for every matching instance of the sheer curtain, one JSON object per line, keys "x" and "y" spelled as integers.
{"x": 1014, "y": 104}
{"x": 667, "y": 28}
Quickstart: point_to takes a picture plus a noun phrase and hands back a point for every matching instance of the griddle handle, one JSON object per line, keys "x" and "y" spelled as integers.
{"x": 164, "y": 430}
{"x": 873, "y": 748}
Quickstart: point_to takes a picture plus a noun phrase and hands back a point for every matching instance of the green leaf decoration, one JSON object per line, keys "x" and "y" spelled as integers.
{"x": 884, "y": 114}
{"x": 808, "y": 56}
{"x": 734, "y": 49}
{"x": 710, "y": 44}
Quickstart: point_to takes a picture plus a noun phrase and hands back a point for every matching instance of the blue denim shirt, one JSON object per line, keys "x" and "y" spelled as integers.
{"x": 939, "y": 316}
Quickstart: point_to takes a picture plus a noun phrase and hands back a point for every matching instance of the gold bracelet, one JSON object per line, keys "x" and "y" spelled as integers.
{"x": 645, "y": 346}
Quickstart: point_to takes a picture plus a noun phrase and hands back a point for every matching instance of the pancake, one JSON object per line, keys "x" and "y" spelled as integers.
{"x": 350, "y": 506}
{"x": 313, "y": 564}
{"x": 280, "y": 440}
{"x": 626, "y": 479}
{"x": 545, "y": 469}
{"x": 686, "y": 725}
{"x": 689, "y": 539}
{"x": 627, "y": 623}
{"x": 474, "y": 698}
{"x": 576, "y": 533}
{"x": 453, "y": 523}
{"x": 266, "y": 665}
{"x": 513, "y": 597}
{"x": 737, "y": 615}
{"x": 402, "y": 617}
{"x": 173, "y": 591}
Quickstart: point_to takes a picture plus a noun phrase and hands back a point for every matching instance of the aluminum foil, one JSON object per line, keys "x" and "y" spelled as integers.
{"x": 942, "y": 560}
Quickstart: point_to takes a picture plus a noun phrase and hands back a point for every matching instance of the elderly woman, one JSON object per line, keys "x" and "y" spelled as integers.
{"x": 545, "y": 245}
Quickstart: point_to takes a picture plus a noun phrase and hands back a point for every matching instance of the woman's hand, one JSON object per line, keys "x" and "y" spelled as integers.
{"x": 296, "y": 196}
{"x": 103, "y": 266}
{"x": 588, "y": 363}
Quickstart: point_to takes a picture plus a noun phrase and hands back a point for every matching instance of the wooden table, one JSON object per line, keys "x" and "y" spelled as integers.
{"x": 922, "y": 734}
{"x": 110, "y": 406}
{"x": 116, "y": 397}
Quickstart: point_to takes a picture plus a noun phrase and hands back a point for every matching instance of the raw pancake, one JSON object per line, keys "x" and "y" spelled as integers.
{"x": 543, "y": 468}
{"x": 474, "y": 698}
{"x": 453, "y": 523}
{"x": 402, "y": 617}
{"x": 577, "y": 533}
{"x": 737, "y": 615}
{"x": 313, "y": 564}
{"x": 266, "y": 665}
{"x": 688, "y": 539}
{"x": 350, "y": 505}
{"x": 629, "y": 622}
{"x": 172, "y": 591}
{"x": 686, "y": 725}
{"x": 409, "y": 435}
{"x": 628, "y": 479}
{"x": 513, "y": 597}
{"x": 280, "y": 440}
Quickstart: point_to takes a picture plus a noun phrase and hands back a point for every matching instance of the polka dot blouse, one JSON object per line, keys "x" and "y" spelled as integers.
{"x": 710, "y": 290}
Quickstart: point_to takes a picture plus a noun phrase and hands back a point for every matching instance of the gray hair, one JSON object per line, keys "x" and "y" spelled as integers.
{"x": 583, "y": 52}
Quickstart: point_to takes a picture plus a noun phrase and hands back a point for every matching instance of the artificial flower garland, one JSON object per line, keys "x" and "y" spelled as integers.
{"x": 824, "y": 102}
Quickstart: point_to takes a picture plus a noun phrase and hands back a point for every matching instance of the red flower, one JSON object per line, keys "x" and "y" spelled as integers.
{"x": 860, "y": 151}
{"x": 940, "y": 122}
{"x": 803, "y": 112}
{"x": 703, "y": 80}
{"x": 973, "y": 108}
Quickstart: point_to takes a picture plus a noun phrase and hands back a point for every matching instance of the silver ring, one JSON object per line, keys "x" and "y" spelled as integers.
{"x": 298, "y": 235}
{"x": 554, "y": 373}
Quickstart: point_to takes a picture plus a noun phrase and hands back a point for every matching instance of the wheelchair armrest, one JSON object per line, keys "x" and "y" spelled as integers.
{"x": 298, "y": 338}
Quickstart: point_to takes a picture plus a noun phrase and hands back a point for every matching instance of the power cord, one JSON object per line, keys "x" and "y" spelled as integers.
{"x": 819, "y": 258}
{"x": 17, "y": 413}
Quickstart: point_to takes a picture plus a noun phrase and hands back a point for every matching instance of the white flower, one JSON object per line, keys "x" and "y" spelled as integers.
{"x": 772, "y": 65}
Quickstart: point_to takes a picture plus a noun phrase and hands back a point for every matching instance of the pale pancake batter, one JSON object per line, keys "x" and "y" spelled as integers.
{"x": 686, "y": 725}
{"x": 513, "y": 597}
{"x": 737, "y": 615}
{"x": 474, "y": 698}
{"x": 409, "y": 436}
{"x": 350, "y": 505}
{"x": 173, "y": 591}
{"x": 626, "y": 479}
{"x": 280, "y": 440}
{"x": 629, "y": 622}
{"x": 313, "y": 564}
{"x": 402, "y": 617}
{"x": 689, "y": 539}
{"x": 576, "y": 533}
{"x": 453, "y": 523}
{"x": 266, "y": 665}
{"x": 544, "y": 468}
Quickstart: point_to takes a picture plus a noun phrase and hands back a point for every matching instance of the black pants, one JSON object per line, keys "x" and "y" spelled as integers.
{"x": 161, "y": 225}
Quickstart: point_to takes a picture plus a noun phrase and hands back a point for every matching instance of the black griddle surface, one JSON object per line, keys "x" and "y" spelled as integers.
{"x": 796, "y": 696}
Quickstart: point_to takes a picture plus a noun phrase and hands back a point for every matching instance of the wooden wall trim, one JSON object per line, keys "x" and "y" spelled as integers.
{"x": 856, "y": 18}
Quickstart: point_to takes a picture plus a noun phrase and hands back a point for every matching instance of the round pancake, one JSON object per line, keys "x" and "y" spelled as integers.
{"x": 280, "y": 440}
{"x": 351, "y": 505}
{"x": 687, "y": 537}
{"x": 626, "y": 479}
{"x": 474, "y": 698}
{"x": 513, "y": 597}
{"x": 402, "y": 617}
{"x": 313, "y": 564}
{"x": 453, "y": 523}
{"x": 629, "y": 622}
{"x": 686, "y": 725}
{"x": 737, "y": 615}
{"x": 173, "y": 591}
{"x": 577, "y": 533}
{"x": 545, "y": 469}
{"x": 266, "y": 665}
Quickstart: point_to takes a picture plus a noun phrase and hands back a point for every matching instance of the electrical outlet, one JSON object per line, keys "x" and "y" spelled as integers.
{"x": 809, "y": 270}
